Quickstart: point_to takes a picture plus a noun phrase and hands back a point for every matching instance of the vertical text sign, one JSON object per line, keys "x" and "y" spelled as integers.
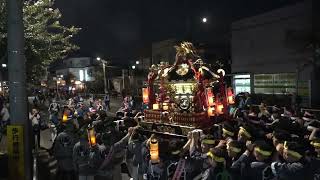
{"x": 15, "y": 152}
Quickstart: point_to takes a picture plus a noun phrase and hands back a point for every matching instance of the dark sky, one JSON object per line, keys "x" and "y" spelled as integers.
{"x": 119, "y": 28}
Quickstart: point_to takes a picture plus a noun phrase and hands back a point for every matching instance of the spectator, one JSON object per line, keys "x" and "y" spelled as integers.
{"x": 107, "y": 101}
{"x": 34, "y": 117}
{"x": 5, "y": 116}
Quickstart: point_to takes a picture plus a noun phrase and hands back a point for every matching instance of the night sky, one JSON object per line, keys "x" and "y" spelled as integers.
{"x": 120, "y": 28}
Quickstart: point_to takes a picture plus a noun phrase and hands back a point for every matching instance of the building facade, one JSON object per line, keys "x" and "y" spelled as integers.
{"x": 270, "y": 54}
{"x": 164, "y": 51}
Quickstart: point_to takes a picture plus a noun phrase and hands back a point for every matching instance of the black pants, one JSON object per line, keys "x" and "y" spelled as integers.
{"x": 36, "y": 133}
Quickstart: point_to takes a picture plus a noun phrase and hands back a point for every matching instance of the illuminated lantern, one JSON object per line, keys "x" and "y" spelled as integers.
{"x": 155, "y": 106}
{"x": 92, "y": 137}
{"x": 219, "y": 108}
{"x": 210, "y": 97}
{"x": 145, "y": 95}
{"x": 64, "y": 118}
{"x": 154, "y": 150}
{"x": 165, "y": 106}
{"x": 211, "y": 111}
{"x": 230, "y": 96}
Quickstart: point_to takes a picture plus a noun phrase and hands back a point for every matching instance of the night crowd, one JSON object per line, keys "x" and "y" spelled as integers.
{"x": 251, "y": 143}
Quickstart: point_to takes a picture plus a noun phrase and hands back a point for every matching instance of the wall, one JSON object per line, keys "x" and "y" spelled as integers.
{"x": 87, "y": 73}
{"x": 77, "y": 62}
{"x": 270, "y": 43}
{"x": 164, "y": 51}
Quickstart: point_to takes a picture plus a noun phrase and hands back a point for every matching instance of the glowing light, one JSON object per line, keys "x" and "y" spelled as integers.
{"x": 204, "y": 20}
{"x": 154, "y": 151}
{"x": 210, "y": 97}
{"x": 133, "y": 67}
{"x": 137, "y": 62}
{"x": 81, "y": 75}
{"x": 211, "y": 111}
{"x": 64, "y": 118}
{"x": 165, "y": 106}
{"x": 155, "y": 106}
{"x": 220, "y": 109}
{"x": 92, "y": 137}
{"x": 98, "y": 58}
{"x": 145, "y": 95}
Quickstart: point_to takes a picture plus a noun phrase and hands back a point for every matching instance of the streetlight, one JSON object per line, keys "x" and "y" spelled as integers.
{"x": 204, "y": 20}
{"x": 4, "y": 65}
{"x": 133, "y": 67}
{"x": 137, "y": 62}
{"x": 104, "y": 62}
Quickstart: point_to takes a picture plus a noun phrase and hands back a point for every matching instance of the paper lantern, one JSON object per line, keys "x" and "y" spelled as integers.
{"x": 165, "y": 106}
{"x": 154, "y": 150}
{"x": 210, "y": 96}
{"x": 155, "y": 106}
{"x": 211, "y": 111}
{"x": 230, "y": 96}
{"x": 64, "y": 118}
{"x": 145, "y": 95}
{"x": 92, "y": 137}
{"x": 219, "y": 109}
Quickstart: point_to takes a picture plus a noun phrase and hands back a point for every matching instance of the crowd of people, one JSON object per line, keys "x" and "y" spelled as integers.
{"x": 252, "y": 142}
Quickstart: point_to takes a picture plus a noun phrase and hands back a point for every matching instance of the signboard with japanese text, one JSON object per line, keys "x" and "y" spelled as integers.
{"x": 15, "y": 152}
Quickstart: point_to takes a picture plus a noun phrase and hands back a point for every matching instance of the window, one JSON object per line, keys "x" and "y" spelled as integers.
{"x": 242, "y": 83}
{"x": 284, "y": 83}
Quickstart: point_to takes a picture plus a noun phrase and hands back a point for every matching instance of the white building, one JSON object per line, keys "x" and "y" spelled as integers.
{"x": 269, "y": 52}
{"x": 81, "y": 68}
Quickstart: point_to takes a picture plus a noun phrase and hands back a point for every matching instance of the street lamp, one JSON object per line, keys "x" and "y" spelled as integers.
{"x": 104, "y": 62}
{"x": 204, "y": 20}
{"x": 4, "y": 65}
{"x": 137, "y": 62}
{"x": 133, "y": 67}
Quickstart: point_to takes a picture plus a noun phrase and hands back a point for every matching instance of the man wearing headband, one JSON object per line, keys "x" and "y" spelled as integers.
{"x": 228, "y": 130}
{"x": 217, "y": 161}
{"x": 207, "y": 142}
{"x": 294, "y": 167}
{"x": 253, "y": 161}
{"x": 234, "y": 150}
{"x": 245, "y": 133}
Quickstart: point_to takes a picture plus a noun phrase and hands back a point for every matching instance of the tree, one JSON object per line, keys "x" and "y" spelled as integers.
{"x": 46, "y": 39}
{"x": 96, "y": 86}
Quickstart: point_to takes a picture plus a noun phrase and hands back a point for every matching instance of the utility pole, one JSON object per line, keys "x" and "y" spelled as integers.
{"x": 17, "y": 80}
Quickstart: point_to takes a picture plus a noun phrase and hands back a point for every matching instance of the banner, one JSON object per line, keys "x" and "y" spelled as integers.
{"x": 15, "y": 152}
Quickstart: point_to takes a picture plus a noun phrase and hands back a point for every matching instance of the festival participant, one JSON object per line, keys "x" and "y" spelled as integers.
{"x": 228, "y": 130}
{"x": 111, "y": 158}
{"x": 262, "y": 152}
{"x": 63, "y": 151}
{"x": 315, "y": 160}
{"x": 245, "y": 133}
{"x": 81, "y": 155}
{"x": 294, "y": 166}
{"x": 234, "y": 150}
{"x": 54, "y": 109}
{"x": 217, "y": 161}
